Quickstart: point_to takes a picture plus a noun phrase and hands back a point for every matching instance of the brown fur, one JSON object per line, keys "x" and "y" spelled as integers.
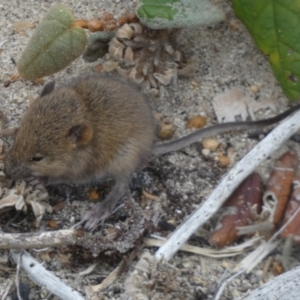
{"x": 83, "y": 135}
{"x": 112, "y": 134}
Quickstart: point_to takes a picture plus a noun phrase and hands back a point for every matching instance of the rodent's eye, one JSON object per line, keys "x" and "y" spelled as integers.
{"x": 37, "y": 157}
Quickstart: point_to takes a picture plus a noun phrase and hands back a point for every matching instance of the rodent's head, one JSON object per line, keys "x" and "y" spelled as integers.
{"x": 55, "y": 126}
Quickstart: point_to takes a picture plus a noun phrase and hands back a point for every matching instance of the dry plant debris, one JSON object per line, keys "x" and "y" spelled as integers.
{"x": 123, "y": 236}
{"x": 146, "y": 57}
{"x": 232, "y": 105}
{"x": 21, "y": 196}
{"x": 106, "y": 22}
{"x": 22, "y": 26}
{"x": 153, "y": 280}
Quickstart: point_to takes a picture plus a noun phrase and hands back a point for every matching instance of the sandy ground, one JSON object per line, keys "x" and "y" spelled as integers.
{"x": 224, "y": 57}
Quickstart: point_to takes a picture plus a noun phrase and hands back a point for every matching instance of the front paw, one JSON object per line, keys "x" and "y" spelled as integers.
{"x": 96, "y": 215}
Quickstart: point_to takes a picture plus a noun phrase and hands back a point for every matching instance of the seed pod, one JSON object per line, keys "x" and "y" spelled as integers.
{"x": 238, "y": 211}
{"x": 293, "y": 228}
{"x": 279, "y": 186}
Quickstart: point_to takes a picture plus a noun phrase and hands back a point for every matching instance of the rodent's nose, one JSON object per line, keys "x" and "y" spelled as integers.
{"x": 14, "y": 170}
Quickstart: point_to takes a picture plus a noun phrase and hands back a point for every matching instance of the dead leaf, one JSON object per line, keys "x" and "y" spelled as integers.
{"x": 23, "y": 26}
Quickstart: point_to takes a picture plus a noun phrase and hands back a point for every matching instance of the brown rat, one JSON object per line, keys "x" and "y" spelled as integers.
{"x": 95, "y": 126}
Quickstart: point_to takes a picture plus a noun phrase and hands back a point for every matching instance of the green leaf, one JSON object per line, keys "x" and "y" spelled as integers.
{"x": 55, "y": 43}
{"x": 275, "y": 28}
{"x": 160, "y": 14}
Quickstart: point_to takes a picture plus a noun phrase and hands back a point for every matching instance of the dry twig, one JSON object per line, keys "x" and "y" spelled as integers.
{"x": 37, "y": 240}
{"x": 44, "y": 278}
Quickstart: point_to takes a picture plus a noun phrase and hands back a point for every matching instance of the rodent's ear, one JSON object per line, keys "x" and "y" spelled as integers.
{"x": 48, "y": 88}
{"x": 81, "y": 134}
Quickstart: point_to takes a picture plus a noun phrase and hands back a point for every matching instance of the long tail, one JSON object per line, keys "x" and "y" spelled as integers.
{"x": 191, "y": 138}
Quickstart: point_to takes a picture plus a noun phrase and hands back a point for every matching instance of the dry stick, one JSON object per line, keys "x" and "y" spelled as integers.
{"x": 18, "y": 276}
{"x": 229, "y": 183}
{"x": 6, "y": 269}
{"x": 92, "y": 289}
{"x": 9, "y": 286}
{"x": 226, "y": 252}
{"x": 37, "y": 240}
{"x": 44, "y": 278}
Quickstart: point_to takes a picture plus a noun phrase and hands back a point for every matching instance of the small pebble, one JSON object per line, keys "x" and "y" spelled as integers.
{"x": 172, "y": 221}
{"x": 195, "y": 84}
{"x": 231, "y": 155}
{"x": 205, "y": 152}
{"x": 93, "y": 195}
{"x": 234, "y": 25}
{"x": 224, "y": 161}
{"x": 254, "y": 88}
{"x": 210, "y": 144}
{"x": 44, "y": 256}
{"x": 63, "y": 258}
{"x": 59, "y": 206}
{"x": 277, "y": 268}
{"x": 196, "y": 122}
{"x": 52, "y": 224}
{"x": 166, "y": 131}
